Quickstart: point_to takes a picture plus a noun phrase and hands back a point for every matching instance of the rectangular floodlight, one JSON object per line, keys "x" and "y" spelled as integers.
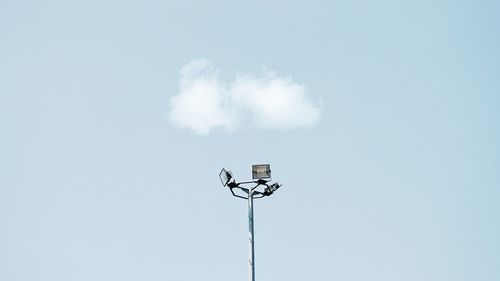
{"x": 262, "y": 171}
{"x": 225, "y": 176}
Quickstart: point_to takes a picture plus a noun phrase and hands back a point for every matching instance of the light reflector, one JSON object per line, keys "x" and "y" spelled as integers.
{"x": 261, "y": 171}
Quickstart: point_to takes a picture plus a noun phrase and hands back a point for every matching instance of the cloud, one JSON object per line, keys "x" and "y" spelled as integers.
{"x": 264, "y": 100}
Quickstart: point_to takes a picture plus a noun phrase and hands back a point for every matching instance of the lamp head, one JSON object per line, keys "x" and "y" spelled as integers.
{"x": 271, "y": 189}
{"x": 225, "y": 177}
{"x": 261, "y": 171}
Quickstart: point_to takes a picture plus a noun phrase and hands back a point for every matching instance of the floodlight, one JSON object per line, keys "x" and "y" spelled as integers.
{"x": 225, "y": 176}
{"x": 262, "y": 171}
{"x": 272, "y": 188}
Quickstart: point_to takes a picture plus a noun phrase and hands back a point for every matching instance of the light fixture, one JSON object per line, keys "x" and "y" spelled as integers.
{"x": 225, "y": 176}
{"x": 271, "y": 189}
{"x": 261, "y": 171}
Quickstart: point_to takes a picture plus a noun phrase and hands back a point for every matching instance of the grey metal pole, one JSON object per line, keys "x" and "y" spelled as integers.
{"x": 251, "y": 250}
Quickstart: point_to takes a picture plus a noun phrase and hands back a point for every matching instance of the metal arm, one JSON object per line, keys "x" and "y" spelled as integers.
{"x": 255, "y": 193}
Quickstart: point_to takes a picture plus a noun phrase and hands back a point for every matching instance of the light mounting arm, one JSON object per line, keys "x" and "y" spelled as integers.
{"x": 262, "y": 176}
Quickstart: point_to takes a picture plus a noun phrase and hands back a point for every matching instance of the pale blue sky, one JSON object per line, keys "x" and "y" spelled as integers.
{"x": 399, "y": 180}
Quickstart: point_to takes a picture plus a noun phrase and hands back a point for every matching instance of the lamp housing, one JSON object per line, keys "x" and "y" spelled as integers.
{"x": 225, "y": 176}
{"x": 271, "y": 188}
{"x": 261, "y": 171}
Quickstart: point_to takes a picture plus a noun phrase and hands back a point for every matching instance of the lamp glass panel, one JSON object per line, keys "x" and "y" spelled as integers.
{"x": 262, "y": 171}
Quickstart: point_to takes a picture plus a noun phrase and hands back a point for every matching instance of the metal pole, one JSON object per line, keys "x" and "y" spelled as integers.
{"x": 251, "y": 256}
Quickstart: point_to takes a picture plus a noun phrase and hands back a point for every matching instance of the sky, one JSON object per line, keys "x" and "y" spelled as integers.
{"x": 109, "y": 160}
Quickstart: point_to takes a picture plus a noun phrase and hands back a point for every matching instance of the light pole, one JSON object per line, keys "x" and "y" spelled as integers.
{"x": 261, "y": 175}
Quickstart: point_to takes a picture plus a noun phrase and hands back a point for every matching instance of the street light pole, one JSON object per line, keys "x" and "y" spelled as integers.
{"x": 262, "y": 176}
{"x": 251, "y": 249}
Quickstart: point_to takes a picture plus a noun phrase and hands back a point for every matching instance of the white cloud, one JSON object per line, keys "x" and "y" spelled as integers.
{"x": 206, "y": 101}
